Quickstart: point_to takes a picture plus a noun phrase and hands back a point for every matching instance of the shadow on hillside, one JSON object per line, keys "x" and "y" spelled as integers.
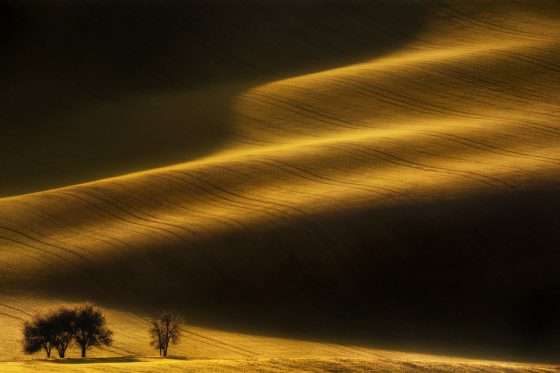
{"x": 93, "y": 89}
{"x": 473, "y": 277}
{"x": 98, "y": 360}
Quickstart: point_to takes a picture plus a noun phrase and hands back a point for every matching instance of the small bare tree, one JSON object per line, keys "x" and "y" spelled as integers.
{"x": 90, "y": 328}
{"x": 165, "y": 329}
{"x": 38, "y": 334}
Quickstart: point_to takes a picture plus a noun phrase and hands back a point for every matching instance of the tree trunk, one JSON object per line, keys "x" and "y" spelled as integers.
{"x": 83, "y": 351}
{"x": 165, "y": 352}
{"x": 61, "y": 354}
{"x": 48, "y": 353}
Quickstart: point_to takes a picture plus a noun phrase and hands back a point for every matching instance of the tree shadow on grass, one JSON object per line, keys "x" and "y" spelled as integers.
{"x": 113, "y": 360}
{"x": 98, "y": 360}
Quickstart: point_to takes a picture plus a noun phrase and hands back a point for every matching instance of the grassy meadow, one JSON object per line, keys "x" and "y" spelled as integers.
{"x": 269, "y": 365}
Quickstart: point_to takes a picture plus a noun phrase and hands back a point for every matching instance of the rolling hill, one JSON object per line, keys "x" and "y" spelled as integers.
{"x": 320, "y": 179}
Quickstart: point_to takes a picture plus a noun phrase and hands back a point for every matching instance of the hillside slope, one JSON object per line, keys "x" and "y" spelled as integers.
{"x": 363, "y": 173}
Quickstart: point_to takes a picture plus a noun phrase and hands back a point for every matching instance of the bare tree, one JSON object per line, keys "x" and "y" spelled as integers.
{"x": 90, "y": 328}
{"x": 38, "y": 334}
{"x": 165, "y": 329}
